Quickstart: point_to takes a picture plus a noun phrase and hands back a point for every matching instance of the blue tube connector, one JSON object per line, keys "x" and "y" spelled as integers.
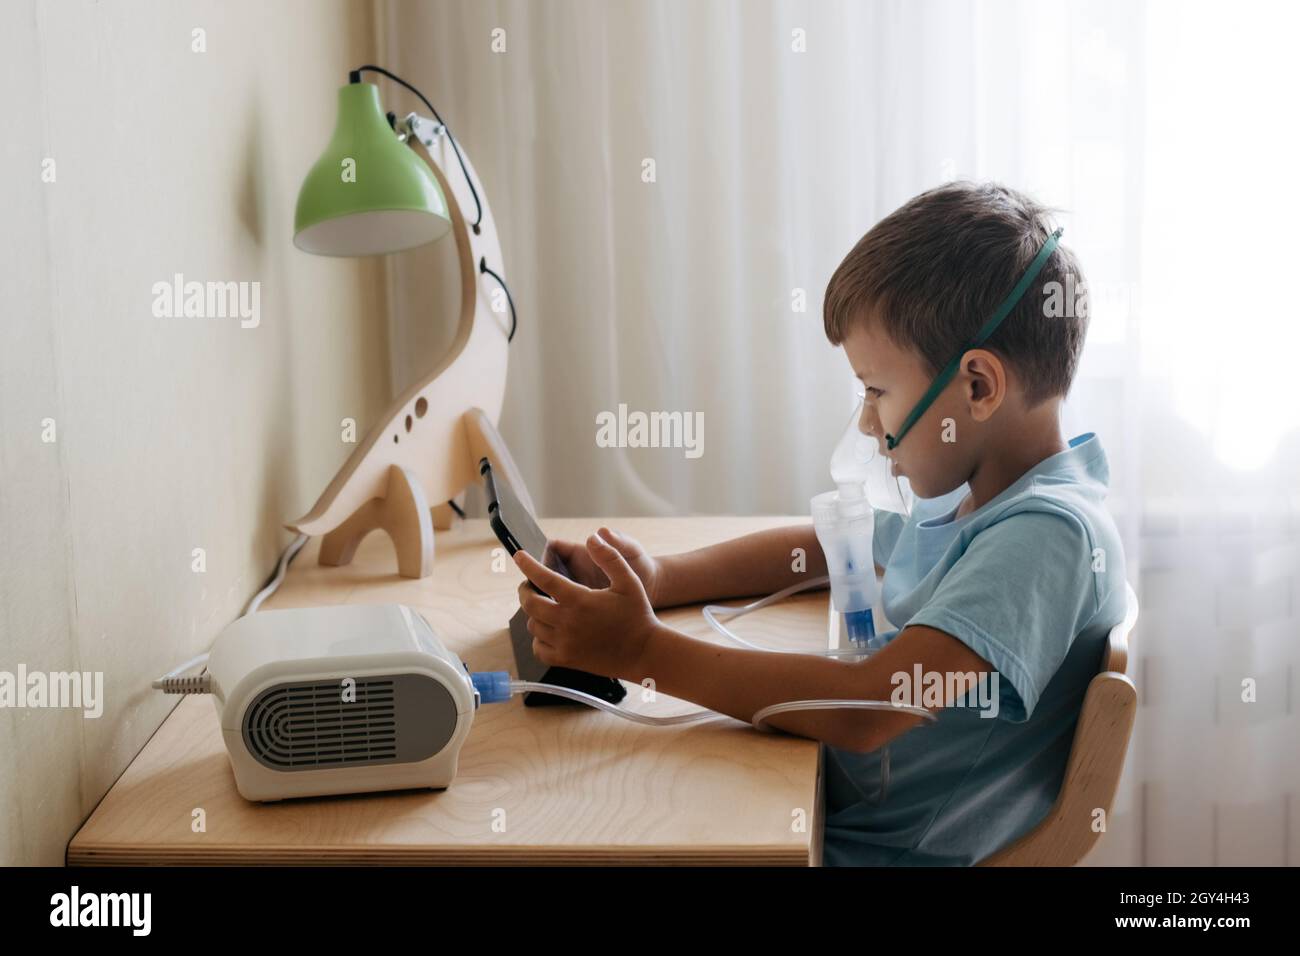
{"x": 492, "y": 686}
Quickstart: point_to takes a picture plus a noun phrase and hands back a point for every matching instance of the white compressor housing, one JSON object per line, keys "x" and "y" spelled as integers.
{"x": 342, "y": 699}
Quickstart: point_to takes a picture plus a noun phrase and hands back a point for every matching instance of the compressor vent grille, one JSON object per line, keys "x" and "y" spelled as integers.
{"x": 301, "y": 726}
{"x": 314, "y": 725}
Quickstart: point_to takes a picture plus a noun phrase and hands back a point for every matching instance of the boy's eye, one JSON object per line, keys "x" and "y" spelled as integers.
{"x": 874, "y": 392}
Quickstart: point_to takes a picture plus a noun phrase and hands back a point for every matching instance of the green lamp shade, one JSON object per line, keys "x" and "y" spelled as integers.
{"x": 368, "y": 194}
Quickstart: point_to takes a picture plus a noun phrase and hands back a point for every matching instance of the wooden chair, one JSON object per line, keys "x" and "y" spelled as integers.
{"x": 1101, "y": 738}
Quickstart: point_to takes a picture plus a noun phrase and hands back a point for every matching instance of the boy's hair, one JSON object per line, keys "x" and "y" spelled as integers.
{"x": 935, "y": 269}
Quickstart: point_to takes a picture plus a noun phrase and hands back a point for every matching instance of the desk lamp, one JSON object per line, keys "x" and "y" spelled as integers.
{"x": 382, "y": 186}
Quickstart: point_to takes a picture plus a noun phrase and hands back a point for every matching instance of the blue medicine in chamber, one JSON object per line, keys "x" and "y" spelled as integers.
{"x": 860, "y": 625}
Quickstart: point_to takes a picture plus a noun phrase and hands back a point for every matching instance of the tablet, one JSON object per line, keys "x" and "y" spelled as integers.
{"x": 517, "y": 530}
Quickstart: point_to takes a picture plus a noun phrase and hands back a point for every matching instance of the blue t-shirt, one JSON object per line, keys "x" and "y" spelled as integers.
{"x": 1032, "y": 582}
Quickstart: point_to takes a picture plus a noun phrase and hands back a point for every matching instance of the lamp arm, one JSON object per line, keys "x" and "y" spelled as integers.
{"x": 427, "y": 132}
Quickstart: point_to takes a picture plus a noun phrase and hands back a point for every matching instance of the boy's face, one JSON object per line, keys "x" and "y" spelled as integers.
{"x": 895, "y": 381}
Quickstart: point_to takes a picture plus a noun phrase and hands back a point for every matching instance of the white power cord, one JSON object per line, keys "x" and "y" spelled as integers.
{"x": 281, "y": 569}
{"x": 173, "y": 683}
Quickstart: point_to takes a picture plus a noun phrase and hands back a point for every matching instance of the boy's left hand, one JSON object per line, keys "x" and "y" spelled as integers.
{"x": 602, "y": 630}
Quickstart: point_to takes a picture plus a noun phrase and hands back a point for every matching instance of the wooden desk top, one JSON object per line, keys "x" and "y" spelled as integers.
{"x": 573, "y": 785}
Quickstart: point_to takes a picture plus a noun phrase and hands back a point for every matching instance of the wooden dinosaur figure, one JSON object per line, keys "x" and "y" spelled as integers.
{"x": 425, "y": 448}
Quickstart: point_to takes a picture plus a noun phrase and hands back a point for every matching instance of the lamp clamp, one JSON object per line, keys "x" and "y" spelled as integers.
{"x": 422, "y": 128}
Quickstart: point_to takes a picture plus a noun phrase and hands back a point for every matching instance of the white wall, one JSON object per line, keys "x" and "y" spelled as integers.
{"x": 171, "y": 433}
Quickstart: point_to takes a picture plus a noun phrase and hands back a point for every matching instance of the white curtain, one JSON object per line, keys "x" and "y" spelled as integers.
{"x": 779, "y": 133}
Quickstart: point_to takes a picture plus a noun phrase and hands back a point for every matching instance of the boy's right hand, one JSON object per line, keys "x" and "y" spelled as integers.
{"x": 588, "y": 573}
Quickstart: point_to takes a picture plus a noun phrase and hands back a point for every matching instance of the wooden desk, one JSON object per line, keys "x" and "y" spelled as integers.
{"x": 576, "y": 786}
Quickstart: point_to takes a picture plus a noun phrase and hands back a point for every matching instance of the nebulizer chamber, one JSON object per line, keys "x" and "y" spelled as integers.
{"x": 844, "y": 522}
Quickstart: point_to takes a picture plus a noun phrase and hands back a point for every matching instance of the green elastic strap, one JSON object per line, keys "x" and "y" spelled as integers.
{"x": 940, "y": 383}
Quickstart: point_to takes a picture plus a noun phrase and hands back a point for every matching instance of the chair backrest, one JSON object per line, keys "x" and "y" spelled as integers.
{"x": 1101, "y": 737}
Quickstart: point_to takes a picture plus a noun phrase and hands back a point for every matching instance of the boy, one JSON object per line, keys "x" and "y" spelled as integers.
{"x": 1008, "y": 568}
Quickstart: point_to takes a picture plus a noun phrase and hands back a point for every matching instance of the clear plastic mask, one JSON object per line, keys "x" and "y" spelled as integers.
{"x": 859, "y": 460}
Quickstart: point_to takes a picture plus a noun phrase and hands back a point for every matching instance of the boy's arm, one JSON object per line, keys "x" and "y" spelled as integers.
{"x": 757, "y": 563}
{"x": 613, "y": 631}
{"x": 742, "y": 682}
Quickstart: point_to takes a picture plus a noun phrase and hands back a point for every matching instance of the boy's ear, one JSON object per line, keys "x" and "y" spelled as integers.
{"x": 987, "y": 382}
